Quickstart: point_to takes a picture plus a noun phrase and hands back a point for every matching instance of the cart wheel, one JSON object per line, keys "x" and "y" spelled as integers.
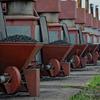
{"x": 75, "y": 61}
{"x": 15, "y": 80}
{"x": 89, "y": 56}
{"x": 55, "y": 69}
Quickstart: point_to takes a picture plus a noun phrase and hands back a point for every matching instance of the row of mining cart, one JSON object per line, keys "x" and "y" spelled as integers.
{"x": 45, "y": 38}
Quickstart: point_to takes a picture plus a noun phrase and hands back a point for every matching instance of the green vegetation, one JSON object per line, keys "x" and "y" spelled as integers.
{"x": 95, "y": 82}
{"x": 80, "y": 96}
{"x": 91, "y": 91}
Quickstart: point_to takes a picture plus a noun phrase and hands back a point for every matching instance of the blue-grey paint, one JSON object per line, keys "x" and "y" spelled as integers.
{"x": 72, "y": 37}
{"x": 19, "y": 30}
{"x": 53, "y": 36}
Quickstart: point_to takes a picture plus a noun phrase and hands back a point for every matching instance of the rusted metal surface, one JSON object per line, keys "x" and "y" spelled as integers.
{"x": 78, "y": 50}
{"x": 68, "y": 9}
{"x": 76, "y": 56}
{"x": 61, "y": 52}
{"x": 75, "y": 61}
{"x": 20, "y": 55}
{"x": 92, "y": 57}
{"x": 89, "y": 20}
{"x": 83, "y": 61}
{"x": 81, "y": 16}
{"x": 57, "y": 59}
{"x": 52, "y": 34}
{"x": 55, "y": 70}
{"x": 91, "y": 48}
{"x": 32, "y": 77}
{"x": 17, "y": 54}
{"x": 90, "y": 51}
{"x": 77, "y": 53}
{"x": 48, "y": 6}
{"x": 65, "y": 68}
{"x": 95, "y": 57}
{"x": 50, "y": 9}
{"x": 89, "y": 57}
{"x": 95, "y": 23}
{"x": 14, "y": 84}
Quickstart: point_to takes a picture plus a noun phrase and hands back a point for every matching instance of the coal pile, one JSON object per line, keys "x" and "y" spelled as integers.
{"x": 61, "y": 42}
{"x": 18, "y": 38}
{"x": 90, "y": 44}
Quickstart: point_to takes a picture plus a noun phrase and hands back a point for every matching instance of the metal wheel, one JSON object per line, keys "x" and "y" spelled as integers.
{"x": 14, "y": 83}
{"x": 55, "y": 69}
{"x": 75, "y": 61}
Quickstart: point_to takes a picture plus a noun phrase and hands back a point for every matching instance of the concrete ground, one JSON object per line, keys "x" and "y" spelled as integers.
{"x": 60, "y": 88}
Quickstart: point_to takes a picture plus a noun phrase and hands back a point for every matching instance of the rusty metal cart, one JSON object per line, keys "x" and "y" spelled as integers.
{"x": 92, "y": 49}
{"x": 54, "y": 53}
{"x": 54, "y": 57}
{"x": 77, "y": 57}
{"x": 15, "y": 59}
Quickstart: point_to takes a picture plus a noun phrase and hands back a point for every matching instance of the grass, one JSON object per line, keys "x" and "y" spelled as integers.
{"x": 80, "y": 96}
{"x": 90, "y": 90}
{"x": 95, "y": 82}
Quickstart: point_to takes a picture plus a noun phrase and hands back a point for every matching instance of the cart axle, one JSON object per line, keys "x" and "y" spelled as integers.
{"x": 4, "y": 78}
